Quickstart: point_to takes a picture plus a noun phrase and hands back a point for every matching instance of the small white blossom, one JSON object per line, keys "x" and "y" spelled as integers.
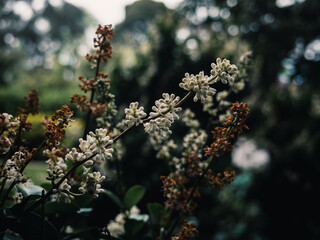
{"x": 188, "y": 119}
{"x": 14, "y": 165}
{"x": 116, "y": 226}
{"x": 238, "y": 86}
{"x": 96, "y": 144}
{"x": 17, "y": 197}
{"x": 134, "y": 115}
{"x": 5, "y": 144}
{"x": 224, "y": 71}
{"x": 5, "y": 123}
{"x": 165, "y": 113}
{"x": 56, "y": 165}
{"x": 91, "y": 185}
{"x": 75, "y": 156}
{"x": 164, "y": 151}
{"x": 225, "y": 104}
{"x": 63, "y": 194}
{"x": 198, "y": 84}
{"x": 194, "y": 142}
{"x": 222, "y": 95}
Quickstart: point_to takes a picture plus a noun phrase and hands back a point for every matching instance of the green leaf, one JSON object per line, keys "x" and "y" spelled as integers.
{"x": 113, "y": 197}
{"x": 133, "y": 196}
{"x": 132, "y": 227}
{"x": 156, "y": 211}
{"x": 30, "y": 190}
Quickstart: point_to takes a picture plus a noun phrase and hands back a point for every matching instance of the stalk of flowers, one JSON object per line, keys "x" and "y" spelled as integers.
{"x": 103, "y": 52}
{"x": 94, "y": 149}
{"x": 16, "y": 155}
{"x": 180, "y": 196}
{"x": 240, "y": 76}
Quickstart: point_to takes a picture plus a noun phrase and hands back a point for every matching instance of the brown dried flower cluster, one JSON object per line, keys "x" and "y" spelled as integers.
{"x": 101, "y": 42}
{"x": 55, "y": 128}
{"x": 223, "y": 136}
{"x": 32, "y": 105}
{"x": 174, "y": 188}
{"x": 81, "y": 102}
{"x": 187, "y": 232}
{"x": 219, "y": 180}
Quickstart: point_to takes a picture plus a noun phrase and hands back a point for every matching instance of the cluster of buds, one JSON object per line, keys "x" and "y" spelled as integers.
{"x": 101, "y": 42}
{"x": 97, "y": 144}
{"x": 134, "y": 115}
{"x": 6, "y": 125}
{"x": 56, "y": 164}
{"x": 116, "y": 226}
{"x": 199, "y": 84}
{"x": 55, "y": 128}
{"x": 92, "y": 184}
{"x": 234, "y": 125}
{"x": 224, "y": 71}
{"x": 219, "y": 180}
{"x": 32, "y": 105}
{"x": 178, "y": 195}
{"x": 63, "y": 194}
{"x": 187, "y": 232}
{"x": 15, "y": 164}
{"x": 165, "y": 113}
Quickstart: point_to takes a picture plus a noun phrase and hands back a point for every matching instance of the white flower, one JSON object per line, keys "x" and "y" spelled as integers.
{"x": 17, "y": 197}
{"x": 247, "y": 155}
{"x": 5, "y": 144}
{"x": 14, "y": 165}
{"x": 5, "y": 121}
{"x": 224, "y": 71}
{"x": 56, "y": 165}
{"x": 96, "y": 144}
{"x": 188, "y": 119}
{"x": 63, "y": 194}
{"x": 91, "y": 185}
{"x": 134, "y": 115}
{"x": 75, "y": 156}
{"x": 194, "y": 142}
{"x": 222, "y": 95}
{"x": 198, "y": 84}
{"x": 116, "y": 226}
{"x": 165, "y": 112}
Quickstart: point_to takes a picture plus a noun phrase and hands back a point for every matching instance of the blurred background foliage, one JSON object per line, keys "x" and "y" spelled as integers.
{"x": 274, "y": 195}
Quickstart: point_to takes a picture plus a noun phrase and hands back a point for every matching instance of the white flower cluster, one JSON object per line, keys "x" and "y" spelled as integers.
{"x": 92, "y": 184}
{"x": 188, "y": 119}
{"x": 194, "y": 142}
{"x": 6, "y": 125}
{"x": 17, "y": 197}
{"x": 165, "y": 149}
{"x": 116, "y": 226}
{"x": 96, "y": 144}
{"x": 63, "y": 193}
{"x": 224, "y": 71}
{"x": 199, "y": 84}
{"x": 56, "y": 165}
{"x": 165, "y": 113}
{"x": 134, "y": 115}
{"x": 14, "y": 164}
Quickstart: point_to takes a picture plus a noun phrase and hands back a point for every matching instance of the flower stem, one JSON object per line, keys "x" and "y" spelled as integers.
{"x": 91, "y": 100}
{"x": 56, "y": 186}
